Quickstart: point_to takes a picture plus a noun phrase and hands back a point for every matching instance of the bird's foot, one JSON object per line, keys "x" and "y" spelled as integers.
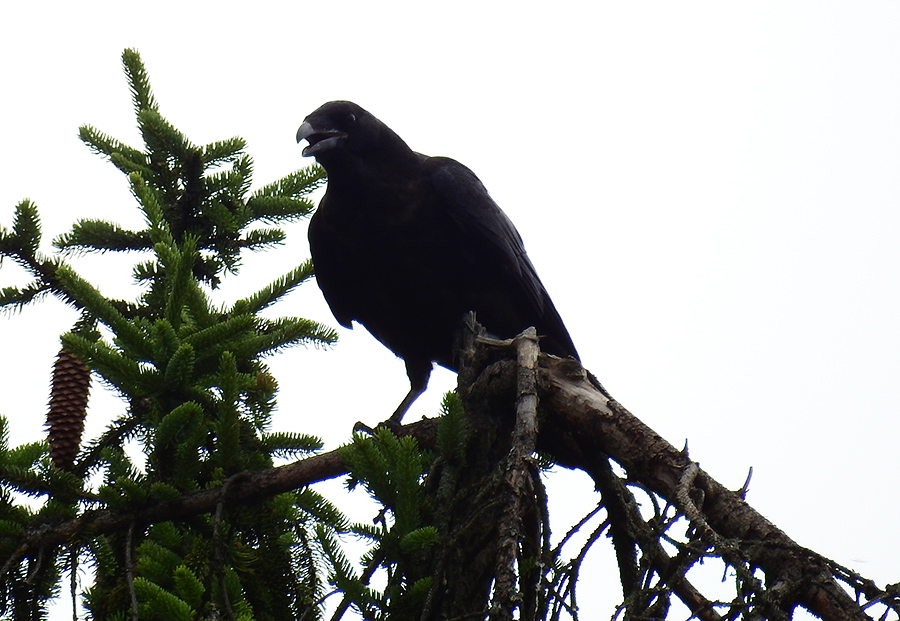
{"x": 393, "y": 425}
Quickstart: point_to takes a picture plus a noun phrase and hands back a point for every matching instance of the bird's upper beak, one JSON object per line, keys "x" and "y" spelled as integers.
{"x": 319, "y": 139}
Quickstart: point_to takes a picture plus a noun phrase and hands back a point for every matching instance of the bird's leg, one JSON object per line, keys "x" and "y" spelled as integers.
{"x": 411, "y": 396}
{"x": 418, "y": 382}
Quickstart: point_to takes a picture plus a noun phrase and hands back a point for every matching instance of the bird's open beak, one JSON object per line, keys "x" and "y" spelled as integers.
{"x": 319, "y": 140}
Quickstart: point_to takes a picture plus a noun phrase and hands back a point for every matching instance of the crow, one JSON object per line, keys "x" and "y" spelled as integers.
{"x": 407, "y": 244}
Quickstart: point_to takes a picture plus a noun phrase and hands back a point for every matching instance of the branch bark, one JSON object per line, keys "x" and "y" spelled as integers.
{"x": 519, "y": 488}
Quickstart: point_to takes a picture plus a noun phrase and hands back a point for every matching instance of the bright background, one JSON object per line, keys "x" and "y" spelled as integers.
{"x": 709, "y": 191}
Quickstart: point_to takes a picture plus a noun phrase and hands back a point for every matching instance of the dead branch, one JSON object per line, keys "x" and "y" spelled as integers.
{"x": 519, "y": 489}
{"x": 579, "y": 421}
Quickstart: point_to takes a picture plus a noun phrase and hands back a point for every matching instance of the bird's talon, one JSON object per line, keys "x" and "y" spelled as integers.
{"x": 363, "y": 428}
{"x": 390, "y": 424}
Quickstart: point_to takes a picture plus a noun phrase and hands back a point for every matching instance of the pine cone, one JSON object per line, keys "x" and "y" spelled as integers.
{"x": 68, "y": 405}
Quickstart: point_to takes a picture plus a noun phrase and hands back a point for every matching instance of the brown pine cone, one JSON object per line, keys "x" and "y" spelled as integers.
{"x": 68, "y": 405}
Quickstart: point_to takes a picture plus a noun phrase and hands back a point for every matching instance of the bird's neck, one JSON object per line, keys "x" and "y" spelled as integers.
{"x": 374, "y": 170}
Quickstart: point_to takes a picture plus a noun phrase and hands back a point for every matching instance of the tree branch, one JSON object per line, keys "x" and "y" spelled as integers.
{"x": 519, "y": 489}
{"x": 584, "y": 420}
{"x": 242, "y": 488}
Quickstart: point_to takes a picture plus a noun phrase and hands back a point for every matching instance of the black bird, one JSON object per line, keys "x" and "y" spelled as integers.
{"x": 407, "y": 244}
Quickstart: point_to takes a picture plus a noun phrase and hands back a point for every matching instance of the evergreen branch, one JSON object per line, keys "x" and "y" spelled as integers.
{"x": 287, "y": 444}
{"x": 14, "y": 298}
{"x": 18, "y": 468}
{"x": 343, "y": 576}
{"x": 162, "y": 139}
{"x": 243, "y": 166}
{"x": 451, "y": 435}
{"x": 260, "y": 239}
{"x": 27, "y": 228}
{"x": 283, "y": 332}
{"x": 131, "y": 159}
{"x": 313, "y": 503}
{"x": 123, "y": 483}
{"x": 23, "y": 480}
{"x": 244, "y": 488}
{"x": 209, "y": 342}
{"x": 130, "y": 165}
{"x": 278, "y": 208}
{"x": 370, "y": 465}
{"x": 180, "y": 368}
{"x": 146, "y": 270}
{"x": 276, "y": 290}
{"x": 158, "y": 601}
{"x": 208, "y": 269}
{"x": 165, "y": 341}
{"x": 88, "y": 298}
{"x": 227, "y": 428}
{"x": 221, "y": 216}
{"x": 22, "y": 241}
{"x": 183, "y": 289}
{"x": 224, "y": 183}
{"x": 21, "y": 244}
{"x": 118, "y": 431}
{"x": 391, "y": 469}
{"x": 102, "y": 236}
{"x": 122, "y": 372}
{"x": 138, "y": 81}
{"x": 178, "y": 436}
{"x": 159, "y": 229}
{"x": 216, "y": 153}
{"x": 189, "y": 586}
{"x": 295, "y": 185}
{"x": 233, "y": 182}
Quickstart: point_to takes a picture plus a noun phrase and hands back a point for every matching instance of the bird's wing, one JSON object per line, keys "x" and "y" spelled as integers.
{"x": 326, "y": 256}
{"x": 477, "y": 215}
{"x": 497, "y": 242}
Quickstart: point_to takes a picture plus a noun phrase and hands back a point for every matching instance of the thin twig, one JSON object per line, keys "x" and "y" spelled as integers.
{"x": 218, "y": 553}
{"x": 73, "y": 582}
{"x": 129, "y": 571}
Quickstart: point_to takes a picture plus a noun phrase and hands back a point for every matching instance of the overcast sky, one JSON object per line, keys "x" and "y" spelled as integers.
{"x": 708, "y": 190}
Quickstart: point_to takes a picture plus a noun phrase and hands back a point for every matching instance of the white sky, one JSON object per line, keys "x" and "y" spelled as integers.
{"x": 708, "y": 190}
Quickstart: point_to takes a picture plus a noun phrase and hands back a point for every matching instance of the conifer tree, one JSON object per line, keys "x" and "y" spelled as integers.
{"x": 199, "y": 394}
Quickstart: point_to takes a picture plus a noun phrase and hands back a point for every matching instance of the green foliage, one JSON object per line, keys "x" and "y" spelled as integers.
{"x": 451, "y": 432}
{"x": 398, "y": 475}
{"x": 198, "y": 394}
{"x": 155, "y": 602}
{"x": 394, "y": 471}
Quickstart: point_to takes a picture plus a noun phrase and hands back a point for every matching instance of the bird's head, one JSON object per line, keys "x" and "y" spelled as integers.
{"x": 341, "y": 131}
{"x": 331, "y": 126}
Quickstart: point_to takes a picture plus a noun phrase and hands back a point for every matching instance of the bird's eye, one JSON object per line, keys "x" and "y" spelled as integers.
{"x": 351, "y": 118}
